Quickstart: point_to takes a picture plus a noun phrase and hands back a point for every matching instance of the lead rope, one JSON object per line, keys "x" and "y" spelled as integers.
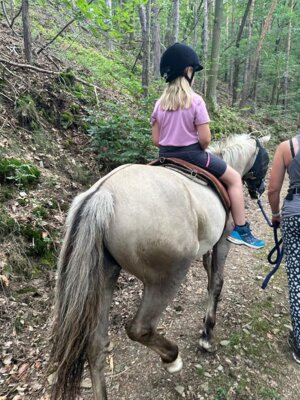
{"x": 277, "y": 249}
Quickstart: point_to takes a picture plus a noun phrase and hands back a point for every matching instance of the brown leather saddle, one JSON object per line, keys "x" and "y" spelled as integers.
{"x": 193, "y": 170}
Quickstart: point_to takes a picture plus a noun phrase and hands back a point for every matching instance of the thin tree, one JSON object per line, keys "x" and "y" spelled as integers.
{"x": 26, "y": 32}
{"x": 215, "y": 55}
{"x": 248, "y": 55}
{"x": 110, "y": 44}
{"x": 205, "y": 38}
{"x": 175, "y": 29}
{"x": 156, "y": 39}
{"x": 145, "y": 50}
{"x": 254, "y": 66}
{"x": 288, "y": 53}
{"x": 236, "y": 69}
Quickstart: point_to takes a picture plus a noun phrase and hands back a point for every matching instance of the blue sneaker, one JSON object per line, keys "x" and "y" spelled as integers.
{"x": 243, "y": 235}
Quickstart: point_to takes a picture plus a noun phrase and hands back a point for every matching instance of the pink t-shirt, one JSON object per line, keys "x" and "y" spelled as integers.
{"x": 178, "y": 128}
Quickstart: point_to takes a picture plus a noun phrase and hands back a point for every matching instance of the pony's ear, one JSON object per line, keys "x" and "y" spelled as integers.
{"x": 264, "y": 139}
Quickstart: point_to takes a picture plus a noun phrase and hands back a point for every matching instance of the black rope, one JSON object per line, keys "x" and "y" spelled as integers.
{"x": 278, "y": 249}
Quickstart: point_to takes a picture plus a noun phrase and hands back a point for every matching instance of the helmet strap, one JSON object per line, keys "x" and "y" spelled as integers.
{"x": 190, "y": 79}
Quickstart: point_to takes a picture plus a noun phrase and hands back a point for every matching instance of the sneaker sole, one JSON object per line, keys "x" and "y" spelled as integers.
{"x": 241, "y": 243}
{"x": 296, "y": 358}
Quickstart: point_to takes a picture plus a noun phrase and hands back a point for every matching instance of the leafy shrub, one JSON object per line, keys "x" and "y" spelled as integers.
{"x": 226, "y": 122}
{"x": 120, "y": 139}
{"x": 18, "y": 171}
{"x": 40, "y": 245}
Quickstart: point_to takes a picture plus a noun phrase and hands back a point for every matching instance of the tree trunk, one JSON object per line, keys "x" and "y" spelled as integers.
{"x": 145, "y": 48}
{"x": 26, "y": 31}
{"x": 253, "y": 67}
{"x": 205, "y": 39}
{"x": 236, "y": 69}
{"x": 248, "y": 57}
{"x": 109, "y": 43}
{"x": 195, "y": 22}
{"x": 215, "y": 54}
{"x": 230, "y": 66}
{"x": 288, "y": 52}
{"x": 156, "y": 40}
{"x": 175, "y": 19}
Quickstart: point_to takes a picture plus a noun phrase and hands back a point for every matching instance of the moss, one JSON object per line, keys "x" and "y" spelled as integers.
{"x": 67, "y": 119}
{"x": 40, "y": 212}
{"x": 27, "y": 112}
{"x": 67, "y": 78}
{"x": 7, "y": 224}
{"x": 6, "y": 194}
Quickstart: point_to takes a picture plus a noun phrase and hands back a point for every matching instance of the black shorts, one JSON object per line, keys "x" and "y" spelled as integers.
{"x": 195, "y": 155}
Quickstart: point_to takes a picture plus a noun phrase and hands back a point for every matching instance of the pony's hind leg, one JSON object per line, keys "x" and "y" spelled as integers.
{"x": 99, "y": 345}
{"x": 142, "y": 328}
{"x": 215, "y": 276}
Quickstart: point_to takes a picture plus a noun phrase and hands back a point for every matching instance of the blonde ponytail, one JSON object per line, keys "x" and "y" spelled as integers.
{"x": 178, "y": 94}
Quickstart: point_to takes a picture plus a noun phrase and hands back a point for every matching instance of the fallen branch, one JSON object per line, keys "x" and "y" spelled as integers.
{"x": 46, "y": 71}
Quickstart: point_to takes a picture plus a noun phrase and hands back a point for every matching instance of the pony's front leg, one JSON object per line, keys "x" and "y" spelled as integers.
{"x": 215, "y": 276}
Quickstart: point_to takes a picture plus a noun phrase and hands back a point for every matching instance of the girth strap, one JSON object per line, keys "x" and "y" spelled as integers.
{"x": 200, "y": 173}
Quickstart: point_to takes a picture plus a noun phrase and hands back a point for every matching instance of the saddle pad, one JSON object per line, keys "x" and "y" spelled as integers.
{"x": 200, "y": 173}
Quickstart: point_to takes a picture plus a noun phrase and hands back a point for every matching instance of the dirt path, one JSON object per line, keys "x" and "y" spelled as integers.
{"x": 252, "y": 361}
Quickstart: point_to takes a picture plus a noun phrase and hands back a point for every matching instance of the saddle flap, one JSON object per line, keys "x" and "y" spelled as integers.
{"x": 200, "y": 173}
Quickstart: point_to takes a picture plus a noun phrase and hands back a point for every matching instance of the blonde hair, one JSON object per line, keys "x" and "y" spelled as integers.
{"x": 178, "y": 94}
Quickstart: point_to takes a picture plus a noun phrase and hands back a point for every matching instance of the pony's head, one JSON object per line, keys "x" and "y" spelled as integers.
{"x": 255, "y": 177}
{"x": 247, "y": 155}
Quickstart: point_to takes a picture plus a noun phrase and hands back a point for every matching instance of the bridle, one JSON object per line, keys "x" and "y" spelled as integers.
{"x": 255, "y": 177}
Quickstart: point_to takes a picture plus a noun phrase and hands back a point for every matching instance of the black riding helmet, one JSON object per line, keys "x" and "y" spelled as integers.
{"x": 176, "y": 59}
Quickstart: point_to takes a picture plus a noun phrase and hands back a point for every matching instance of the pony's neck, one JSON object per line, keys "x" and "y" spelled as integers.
{"x": 238, "y": 151}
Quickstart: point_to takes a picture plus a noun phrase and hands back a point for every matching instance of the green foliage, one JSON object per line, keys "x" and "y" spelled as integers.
{"x": 40, "y": 245}
{"x": 18, "y": 172}
{"x": 226, "y": 121}
{"x": 121, "y": 138}
{"x": 268, "y": 393}
{"x": 221, "y": 394}
{"x": 40, "y": 212}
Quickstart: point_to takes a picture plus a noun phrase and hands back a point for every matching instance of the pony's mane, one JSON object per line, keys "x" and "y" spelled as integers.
{"x": 233, "y": 147}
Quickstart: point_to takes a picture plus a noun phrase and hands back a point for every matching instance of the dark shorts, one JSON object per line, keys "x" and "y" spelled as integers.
{"x": 195, "y": 155}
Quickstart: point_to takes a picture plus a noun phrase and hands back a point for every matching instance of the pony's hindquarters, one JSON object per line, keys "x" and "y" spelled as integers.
{"x": 79, "y": 289}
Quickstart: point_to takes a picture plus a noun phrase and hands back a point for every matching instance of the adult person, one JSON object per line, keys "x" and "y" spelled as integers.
{"x": 287, "y": 158}
{"x": 180, "y": 128}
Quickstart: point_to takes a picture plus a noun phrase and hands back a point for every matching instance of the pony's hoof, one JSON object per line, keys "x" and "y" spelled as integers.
{"x": 204, "y": 344}
{"x": 174, "y": 366}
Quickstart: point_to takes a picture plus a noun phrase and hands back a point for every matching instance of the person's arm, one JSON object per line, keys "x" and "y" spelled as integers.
{"x": 204, "y": 135}
{"x": 155, "y": 134}
{"x": 276, "y": 180}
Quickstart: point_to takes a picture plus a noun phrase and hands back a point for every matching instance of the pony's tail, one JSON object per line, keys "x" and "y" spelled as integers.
{"x": 78, "y": 290}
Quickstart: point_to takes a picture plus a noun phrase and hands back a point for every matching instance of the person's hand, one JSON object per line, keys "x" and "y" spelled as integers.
{"x": 276, "y": 220}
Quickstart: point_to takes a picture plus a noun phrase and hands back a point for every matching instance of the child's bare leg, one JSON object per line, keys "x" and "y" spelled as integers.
{"x": 233, "y": 181}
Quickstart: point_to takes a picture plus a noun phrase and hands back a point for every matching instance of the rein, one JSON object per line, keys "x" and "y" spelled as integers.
{"x": 277, "y": 249}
